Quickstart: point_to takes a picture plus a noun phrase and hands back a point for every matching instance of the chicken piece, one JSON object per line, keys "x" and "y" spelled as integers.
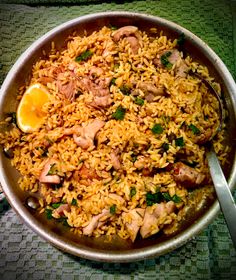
{"x": 85, "y": 173}
{"x": 132, "y": 36}
{"x": 181, "y": 68}
{"x": 150, "y": 90}
{"x": 47, "y": 178}
{"x": 124, "y": 31}
{"x": 84, "y": 137}
{"x": 134, "y": 44}
{"x": 141, "y": 162}
{"x": 155, "y": 216}
{"x": 59, "y": 212}
{"x": 187, "y": 176}
{"x": 115, "y": 160}
{"x": 94, "y": 223}
{"x": 67, "y": 90}
{"x": 135, "y": 217}
{"x": 99, "y": 89}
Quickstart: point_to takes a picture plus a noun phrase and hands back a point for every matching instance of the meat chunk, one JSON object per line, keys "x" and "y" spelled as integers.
{"x": 46, "y": 177}
{"x": 84, "y": 137}
{"x": 99, "y": 89}
{"x": 94, "y": 223}
{"x": 115, "y": 160}
{"x": 131, "y": 34}
{"x": 85, "y": 173}
{"x": 67, "y": 90}
{"x": 59, "y": 212}
{"x": 133, "y": 221}
{"x": 124, "y": 31}
{"x": 151, "y": 90}
{"x": 155, "y": 216}
{"x": 181, "y": 68}
{"x": 187, "y": 176}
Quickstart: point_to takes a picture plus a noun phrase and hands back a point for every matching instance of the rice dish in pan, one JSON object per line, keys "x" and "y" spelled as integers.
{"x": 117, "y": 145}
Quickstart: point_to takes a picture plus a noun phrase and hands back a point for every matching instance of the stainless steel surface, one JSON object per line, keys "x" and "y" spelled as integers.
{"x": 224, "y": 195}
{"x": 100, "y": 249}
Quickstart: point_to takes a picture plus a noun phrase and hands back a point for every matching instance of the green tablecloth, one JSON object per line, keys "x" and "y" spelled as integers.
{"x": 23, "y": 254}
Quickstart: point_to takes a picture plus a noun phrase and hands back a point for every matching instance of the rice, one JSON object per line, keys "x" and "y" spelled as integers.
{"x": 98, "y": 197}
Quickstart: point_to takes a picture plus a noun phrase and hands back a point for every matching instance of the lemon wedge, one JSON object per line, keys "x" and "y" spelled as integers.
{"x": 30, "y": 115}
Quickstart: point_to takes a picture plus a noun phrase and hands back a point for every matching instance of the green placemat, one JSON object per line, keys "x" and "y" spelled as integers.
{"x": 23, "y": 254}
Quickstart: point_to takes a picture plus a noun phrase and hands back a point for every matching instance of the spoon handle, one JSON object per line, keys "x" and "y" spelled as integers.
{"x": 223, "y": 192}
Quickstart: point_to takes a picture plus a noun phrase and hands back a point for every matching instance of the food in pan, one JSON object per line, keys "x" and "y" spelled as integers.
{"x": 109, "y": 134}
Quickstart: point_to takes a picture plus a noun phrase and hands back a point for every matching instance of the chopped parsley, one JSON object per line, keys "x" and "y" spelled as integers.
{"x": 152, "y": 198}
{"x": 166, "y": 196}
{"x": 157, "y": 129}
{"x": 48, "y": 213}
{"x": 119, "y": 113}
{"x": 113, "y": 81}
{"x": 133, "y": 157}
{"x": 165, "y": 147}
{"x": 74, "y": 202}
{"x": 158, "y": 197}
{"x": 113, "y": 209}
{"x": 179, "y": 142}
{"x": 84, "y": 56}
{"x": 113, "y": 27}
{"x": 194, "y": 129}
{"x": 165, "y": 61}
{"x": 52, "y": 170}
{"x": 176, "y": 199}
{"x": 125, "y": 90}
{"x": 56, "y": 205}
{"x": 139, "y": 101}
{"x": 133, "y": 191}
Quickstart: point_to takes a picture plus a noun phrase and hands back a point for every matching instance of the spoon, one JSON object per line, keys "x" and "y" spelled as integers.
{"x": 222, "y": 189}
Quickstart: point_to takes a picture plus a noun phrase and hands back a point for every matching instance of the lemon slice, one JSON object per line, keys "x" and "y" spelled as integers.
{"x": 30, "y": 115}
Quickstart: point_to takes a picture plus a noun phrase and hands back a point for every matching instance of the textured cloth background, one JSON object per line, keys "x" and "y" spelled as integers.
{"x": 23, "y": 254}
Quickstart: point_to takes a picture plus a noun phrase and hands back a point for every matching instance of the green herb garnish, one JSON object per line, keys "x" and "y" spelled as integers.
{"x": 56, "y": 205}
{"x": 176, "y": 199}
{"x": 158, "y": 197}
{"x": 113, "y": 209}
{"x": 166, "y": 196}
{"x": 113, "y": 27}
{"x": 113, "y": 81}
{"x": 179, "y": 142}
{"x": 74, "y": 202}
{"x": 133, "y": 157}
{"x": 139, "y": 101}
{"x": 157, "y": 129}
{"x": 48, "y": 213}
{"x": 152, "y": 198}
{"x": 194, "y": 129}
{"x": 52, "y": 170}
{"x": 125, "y": 90}
{"x": 119, "y": 113}
{"x": 84, "y": 56}
{"x": 165, "y": 147}
{"x": 132, "y": 191}
{"x": 165, "y": 61}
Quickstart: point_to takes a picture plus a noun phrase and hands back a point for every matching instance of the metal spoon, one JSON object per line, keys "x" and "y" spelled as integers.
{"x": 223, "y": 192}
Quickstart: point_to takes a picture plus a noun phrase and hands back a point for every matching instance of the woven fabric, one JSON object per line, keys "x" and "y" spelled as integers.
{"x": 23, "y": 254}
